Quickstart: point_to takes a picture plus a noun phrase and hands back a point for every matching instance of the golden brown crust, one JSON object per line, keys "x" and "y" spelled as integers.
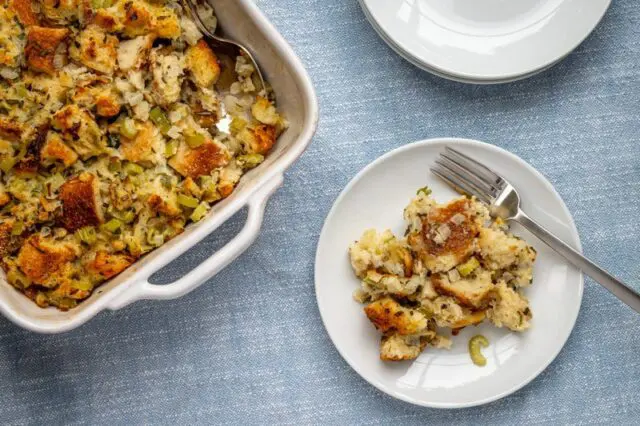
{"x": 81, "y": 204}
{"x": 386, "y": 314}
{"x": 96, "y": 50}
{"x": 109, "y": 265}
{"x": 203, "y": 64}
{"x": 40, "y": 261}
{"x": 199, "y": 161}
{"x": 54, "y": 149}
{"x": 474, "y": 292}
{"x": 7, "y": 244}
{"x": 140, "y": 148}
{"x": 10, "y": 130}
{"x": 159, "y": 205}
{"x": 107, "y": 105}
{"x": 41, "y": 47}
{"x": 472, "y": 319}
{"x": 25, "y": 12}
{"x": 260, "y": 138}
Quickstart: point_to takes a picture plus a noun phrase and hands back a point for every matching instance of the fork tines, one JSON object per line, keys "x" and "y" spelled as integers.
{"x": 467, "y": 175}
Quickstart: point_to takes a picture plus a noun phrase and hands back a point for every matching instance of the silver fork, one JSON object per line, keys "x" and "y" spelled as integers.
{"x": 473, "y": 178}
{"x": 227, "y": 47}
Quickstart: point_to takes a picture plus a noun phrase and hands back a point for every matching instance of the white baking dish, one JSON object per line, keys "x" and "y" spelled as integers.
{"x": 241, "y": 20}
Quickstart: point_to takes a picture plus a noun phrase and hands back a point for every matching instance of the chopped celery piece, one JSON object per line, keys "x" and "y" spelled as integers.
{"x": 21, "y": 91}
{"x": 133, "y": 169}
{"x": 187, "y": 201}
{"x": 56, "y": 181}
{"x": 128, "y": 128}
{"x": 87, "y": 234}
{"x": 249, "y": 161}
{"x": 112, "y": 226}
{"x": 155, "y": 237}
{"x": 475, "y": 344}
{"x": 425, "y": 191}
{"x": 17, "y": 228}
{"x": 194, "y": 139}
{"x": 171, "y": 148}
{"x": 468, "y": 267}
{"x": 199, "y": 212}
{"x": 7, "y": 164}
{"x": 237, "y": 125}
{"x": 84, "y": 285}
{"x": 160, "y": 119}
{"x": 115, "y": 165}
{"x": 17, "y": 278}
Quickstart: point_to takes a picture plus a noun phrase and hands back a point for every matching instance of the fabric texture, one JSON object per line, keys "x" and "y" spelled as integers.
{"x": 249, "y": 347}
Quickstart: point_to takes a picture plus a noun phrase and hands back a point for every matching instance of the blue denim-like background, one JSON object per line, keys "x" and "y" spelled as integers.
{"x": 249, "y": 346}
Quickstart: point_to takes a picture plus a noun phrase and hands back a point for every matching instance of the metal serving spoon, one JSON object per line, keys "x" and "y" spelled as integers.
{"x": 226, "y": 50}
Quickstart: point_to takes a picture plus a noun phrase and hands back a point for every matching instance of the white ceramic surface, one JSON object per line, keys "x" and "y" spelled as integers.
{"x": 242, "y": 21}
{"x": 375, "y": 198}
{"x": 484, "y": 41}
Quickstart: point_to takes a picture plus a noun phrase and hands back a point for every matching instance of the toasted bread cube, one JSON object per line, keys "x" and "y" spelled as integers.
{"x": 474, "y": 291}
{"x": 258, "y": 139}
{"x": 107, "y": 104}
{"x": 387, "y": 314}
{"x": 396, "y": 347}
{"x": 10, "y": 130}
{"x": 141, "y": 18}
{"x": 203, "y": 64}
{"x": 502, "y": 251}
{"x": 109, "y": 265}
{"x": 132, "y": 54}
{"x": 442, "y": 243}
{"x": 162, "y": 199}
{"x": 40, "y": 259}
{"x": 96, "y": 49}
{"x": 510, "y": 309}
{"x": 54, "y": 149}
{"x": 81, "y": 203}
{"x": 24, "y": 10}
{"x": 470, "y": 318}
{"x": 4, "y": 196}
{"x": 42, "y": 44}
{"x": 200, "y": 161}
{"x": 168, "y": 73}
{"x": 145, "y": 147}
{"x": 7, "y": 240}
{"x": 107, "y": 19}
{"x": 265, "y": 112}
{"x": 65, "y": 11}
{"x": 80, "y": 131}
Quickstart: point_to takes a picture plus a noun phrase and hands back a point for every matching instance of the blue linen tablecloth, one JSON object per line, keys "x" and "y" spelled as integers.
{"x": 249, "y": 346}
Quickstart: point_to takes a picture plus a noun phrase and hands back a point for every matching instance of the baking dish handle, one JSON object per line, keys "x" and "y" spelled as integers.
{"x": 214, "y": 264}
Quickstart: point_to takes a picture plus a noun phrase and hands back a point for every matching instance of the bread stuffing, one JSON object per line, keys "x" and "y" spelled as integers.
{"x": 455, "y": 267}
{"x": 114, "y": 136}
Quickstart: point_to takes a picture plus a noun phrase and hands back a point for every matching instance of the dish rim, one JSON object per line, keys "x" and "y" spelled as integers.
{"x": 454, "y": 141}
{"x": 255, "y": 195}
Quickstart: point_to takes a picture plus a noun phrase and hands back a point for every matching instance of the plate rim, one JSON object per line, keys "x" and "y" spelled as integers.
{"x": 474, "y": 78}
{"x": 454, "y": 141}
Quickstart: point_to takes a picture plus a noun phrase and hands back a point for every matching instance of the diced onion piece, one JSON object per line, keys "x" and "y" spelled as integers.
{"x": 444, "y": 231}
{"x": 454, "y": 275}
{"x": 458, "y": 219}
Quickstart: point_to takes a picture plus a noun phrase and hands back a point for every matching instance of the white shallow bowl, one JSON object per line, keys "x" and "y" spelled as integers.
{"x": 242, "y": 21}
{"x": 484, "y": 41}
{"x": 375, "y": 198}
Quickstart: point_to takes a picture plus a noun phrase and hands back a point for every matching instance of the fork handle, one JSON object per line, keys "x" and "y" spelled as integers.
{"x": 608, "y": 281}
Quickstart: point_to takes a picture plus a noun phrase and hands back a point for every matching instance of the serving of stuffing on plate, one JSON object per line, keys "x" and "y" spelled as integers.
{"x": 455, "y": 267}
{"x": 119, "y": 125}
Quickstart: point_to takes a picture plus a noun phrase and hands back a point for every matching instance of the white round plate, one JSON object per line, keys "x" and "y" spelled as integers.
{"x": 484, "y": 40}
{"x": 375, "y": 198}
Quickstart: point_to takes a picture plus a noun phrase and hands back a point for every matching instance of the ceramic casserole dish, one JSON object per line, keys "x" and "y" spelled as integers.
{"x": 242, "y": 21}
